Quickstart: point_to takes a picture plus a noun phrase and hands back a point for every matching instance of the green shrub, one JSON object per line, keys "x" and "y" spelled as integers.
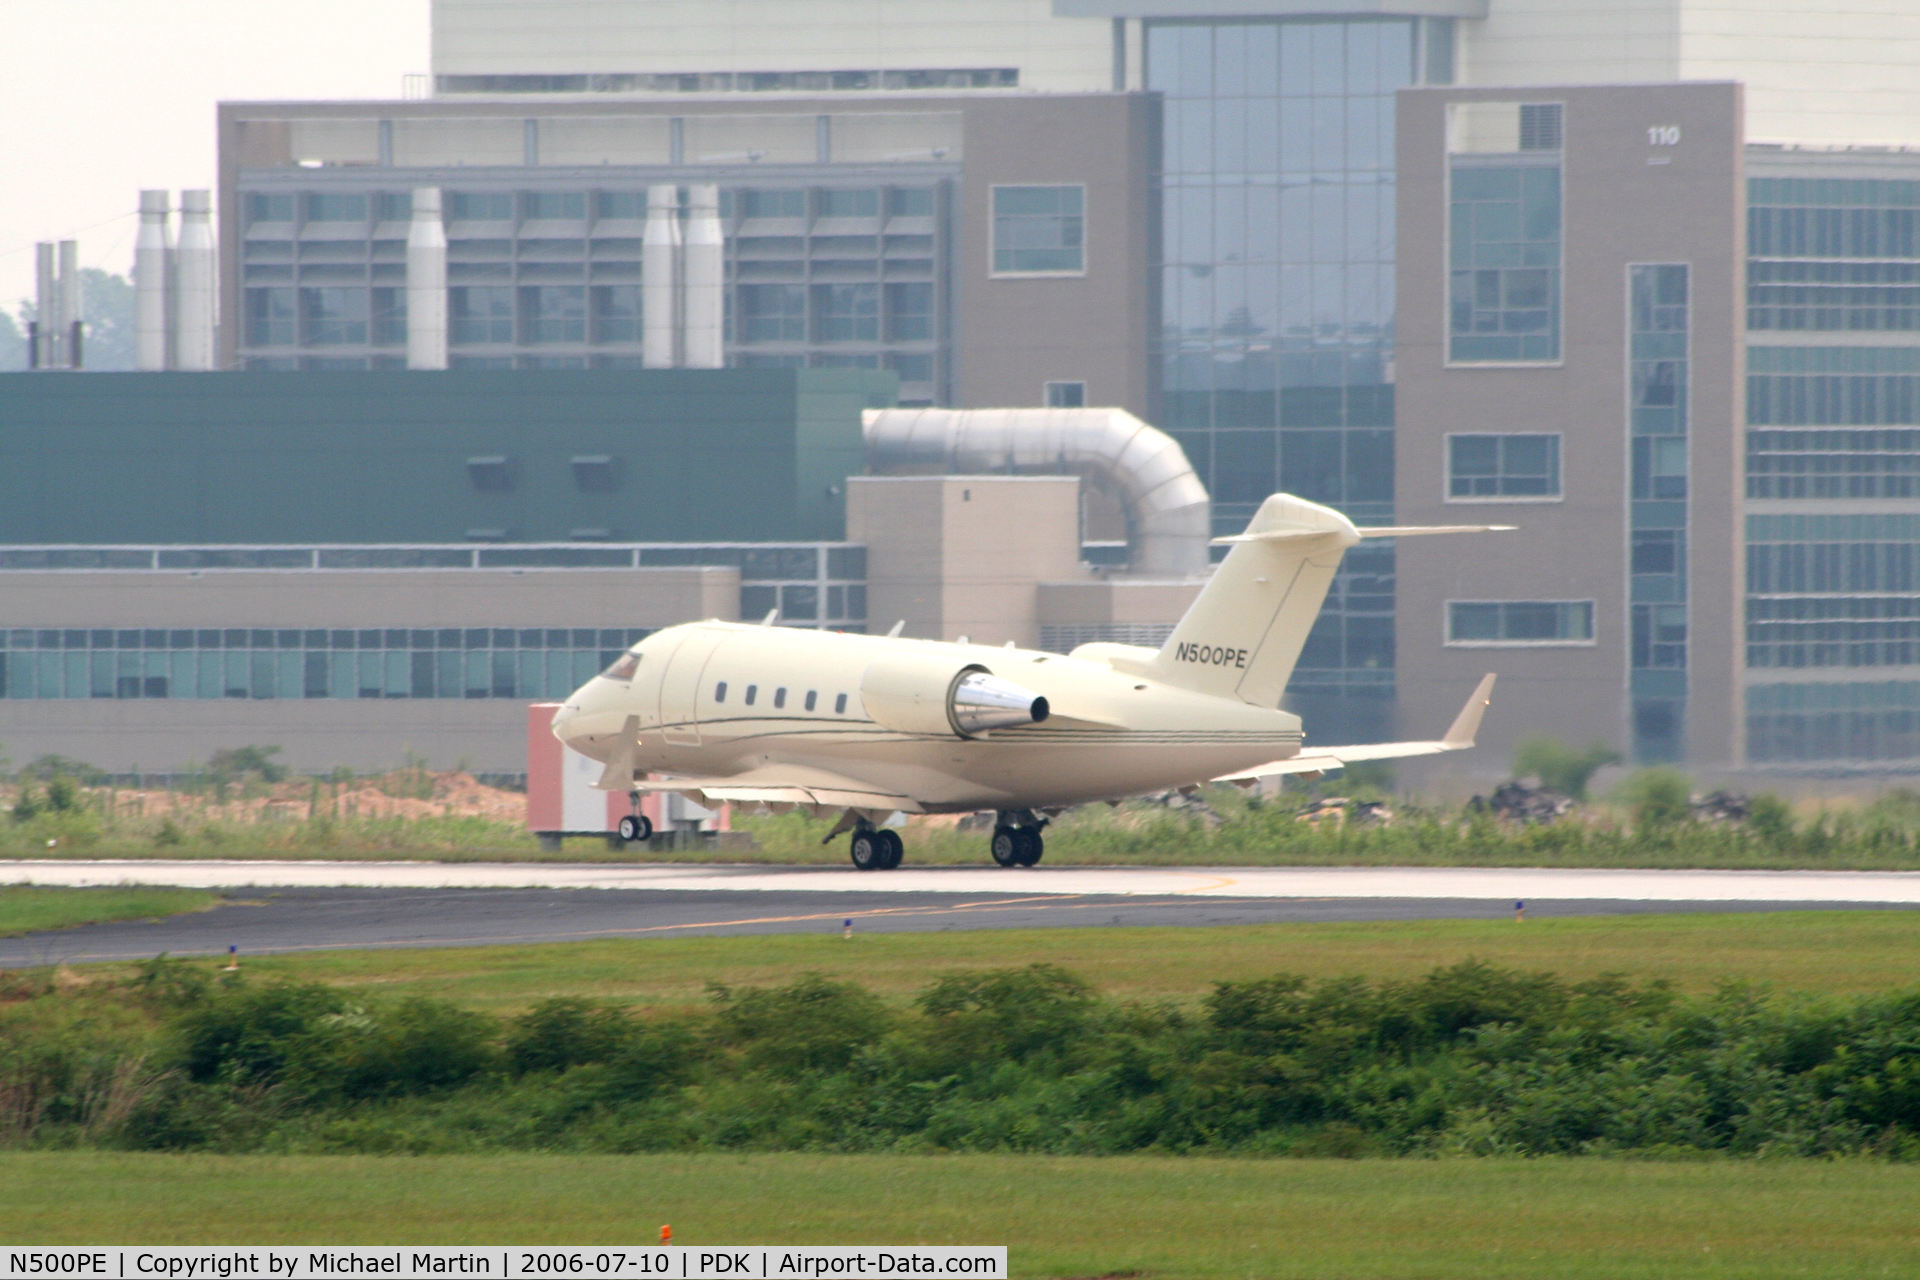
{"x": 812, "y": 1024}
{"x": 1657, "y": 798}
{"x": 1561, "y": 767}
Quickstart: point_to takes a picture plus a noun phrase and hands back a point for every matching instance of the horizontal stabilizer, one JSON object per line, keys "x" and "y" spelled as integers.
{"x": 1425, "y": 530}
{"x": 1459, "y": 736}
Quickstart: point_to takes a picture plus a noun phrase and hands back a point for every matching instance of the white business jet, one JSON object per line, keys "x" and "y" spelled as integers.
{"x": 873, "y": 726}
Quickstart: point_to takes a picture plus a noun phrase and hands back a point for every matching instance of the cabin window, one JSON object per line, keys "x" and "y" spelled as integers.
{"x": 720, "y": 692}
{"x": 780, "y": 696}
{"x": 840, "y": 705}
{"x": 623, "y": 668}
{"x": 811, "y": 696}
{"x": 752, "y": 689}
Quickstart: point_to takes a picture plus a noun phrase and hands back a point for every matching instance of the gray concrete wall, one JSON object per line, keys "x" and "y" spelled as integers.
{"x": 1015, "y": 335}
{"x": 960, "y": 556}
{"x": 1624, "y": 202}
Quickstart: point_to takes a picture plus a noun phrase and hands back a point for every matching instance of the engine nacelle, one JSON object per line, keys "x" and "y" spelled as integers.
{"x": 937, "y": 696}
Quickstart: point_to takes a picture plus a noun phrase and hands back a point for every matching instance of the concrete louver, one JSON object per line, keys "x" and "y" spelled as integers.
{"x": 426, "y": 283}
{"x": 1169, "y": 519}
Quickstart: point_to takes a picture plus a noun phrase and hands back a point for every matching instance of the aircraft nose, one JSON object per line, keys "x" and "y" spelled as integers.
{"x": 563, "y": 719}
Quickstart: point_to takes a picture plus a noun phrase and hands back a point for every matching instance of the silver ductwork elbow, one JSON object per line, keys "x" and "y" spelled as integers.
{"x": 1168, "y": 516}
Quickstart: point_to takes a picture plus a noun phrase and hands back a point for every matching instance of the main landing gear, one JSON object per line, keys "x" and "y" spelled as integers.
{"x": 876, "y": 848}
{"x": 1016, "y": 839}
{"x": 636, "y": 827}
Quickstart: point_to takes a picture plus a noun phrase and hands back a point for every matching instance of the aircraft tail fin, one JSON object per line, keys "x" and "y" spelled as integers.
{"x": 1242, "y": 636}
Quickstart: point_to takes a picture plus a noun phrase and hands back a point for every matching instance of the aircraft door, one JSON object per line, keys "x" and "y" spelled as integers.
{"x": 680, "y": 687}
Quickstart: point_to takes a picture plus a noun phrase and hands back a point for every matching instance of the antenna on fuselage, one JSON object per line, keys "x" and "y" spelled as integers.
{"x": 897, "y": 628}
{"x": 771, "y": 615}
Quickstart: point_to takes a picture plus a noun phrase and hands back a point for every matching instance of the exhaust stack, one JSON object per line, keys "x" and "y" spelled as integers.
{"x": 152, "y": 254}
{"x": 195, "y": 269}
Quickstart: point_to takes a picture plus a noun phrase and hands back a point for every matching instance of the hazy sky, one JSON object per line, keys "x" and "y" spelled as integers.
{"x": 101, "y": 98}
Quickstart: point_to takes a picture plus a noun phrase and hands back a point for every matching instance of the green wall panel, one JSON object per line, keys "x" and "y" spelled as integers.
{"x": 702, "y": 455}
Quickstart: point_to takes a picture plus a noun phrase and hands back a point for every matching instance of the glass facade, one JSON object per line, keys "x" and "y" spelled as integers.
{"x": 1658, "y": 328}
{"x": 813, "y": 585}
{"x": 817, "y": 274}
{"x": 1833, "y": 590}
{"x": 1833, "y": 254}
{"x": 255, "y": 662}
{"x": 1274, "y": 343}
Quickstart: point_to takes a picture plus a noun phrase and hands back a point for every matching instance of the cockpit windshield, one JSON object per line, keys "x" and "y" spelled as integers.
{"x": 623, "y": 669}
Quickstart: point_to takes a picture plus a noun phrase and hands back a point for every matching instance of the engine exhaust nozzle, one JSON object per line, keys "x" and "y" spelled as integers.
{"x": 980, "y": 702}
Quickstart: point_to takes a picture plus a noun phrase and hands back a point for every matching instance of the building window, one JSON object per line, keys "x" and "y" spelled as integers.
{"x": 1504, "y": 232}
{"x": 616, "y": 313}
{"x": 335, "y": 316}
{"x": 491, "y": 473}
{"x": 262, "y": 207}
{"x": 1039, "y": 230}
{"x": 559, "y": 205}
{"x": 330, "y": 207}
{"x": 846, "y": 313}
{"x": 480, "y": 313}
{"x": 849, "y": 204}
{"x": 629, "y": 205}
{"x": 1066, "y": 395}
{"x": 393, "y": 206}
{"x": 773, "y": 313}
{"x": 1477, "y": 623}
{"x": 773, "y": 204}
{"x": 480, "y": 206}
{"x": 390, "y": 317}
{"x": 270, "y": 320}
{"x": 910, "y": 202}
{"x": 1659, "y": 636}
{"x": 1495, "y": 468}
{"x": 1659, "y": 468}
{"x": 909, "y": 312}
{"x": 554, "y": 312}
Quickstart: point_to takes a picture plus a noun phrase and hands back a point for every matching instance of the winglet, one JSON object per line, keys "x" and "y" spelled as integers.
{"x": 1460, "y": 733}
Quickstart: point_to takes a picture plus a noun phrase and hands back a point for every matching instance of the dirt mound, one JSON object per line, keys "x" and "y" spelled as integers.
{"x": 401, "y": 794}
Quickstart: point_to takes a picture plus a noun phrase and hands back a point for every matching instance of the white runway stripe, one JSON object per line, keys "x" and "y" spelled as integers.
{"x": 1490, "y": 883}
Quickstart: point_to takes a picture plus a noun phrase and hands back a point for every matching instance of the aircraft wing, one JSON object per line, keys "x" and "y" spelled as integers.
{"x": 1319, "y": 760}
{"x": 784, "y": 786}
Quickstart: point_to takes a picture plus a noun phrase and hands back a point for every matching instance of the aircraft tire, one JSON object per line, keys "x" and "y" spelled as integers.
{"x": 1006, "y": 846}
{"x": 894, "y": 849}
{"x": 868, "y": 850}
{"x": 635, "y": 828}
{"x": 1029, "y": 846}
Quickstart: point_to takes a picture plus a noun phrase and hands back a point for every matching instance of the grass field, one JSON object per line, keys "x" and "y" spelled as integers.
{"x": 1150, "y": 1218}
{"x": 1850, "y": 952}
{"x": 31, "y": 910}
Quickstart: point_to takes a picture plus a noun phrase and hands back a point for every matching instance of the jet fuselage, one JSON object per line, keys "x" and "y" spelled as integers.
{"x": 725, "y": 699}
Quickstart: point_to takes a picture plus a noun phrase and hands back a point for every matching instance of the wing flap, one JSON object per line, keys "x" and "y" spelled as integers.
{"x": 1459, "y": 736}
{"x": 787, "y": 785}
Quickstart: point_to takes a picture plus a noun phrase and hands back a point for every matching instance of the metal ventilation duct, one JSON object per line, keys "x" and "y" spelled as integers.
{"x": 195, "y": 274}
{"x": 1168, "y": 516}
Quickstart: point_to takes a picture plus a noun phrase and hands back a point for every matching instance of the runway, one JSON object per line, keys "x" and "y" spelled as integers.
{"x": 297, "y": 906}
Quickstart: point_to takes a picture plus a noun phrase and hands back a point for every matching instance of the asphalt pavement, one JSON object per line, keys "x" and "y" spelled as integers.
{"x": 299, "y": 906}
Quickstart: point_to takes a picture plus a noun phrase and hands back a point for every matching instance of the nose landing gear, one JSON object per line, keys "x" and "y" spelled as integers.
{"x": 636, "y": 827}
